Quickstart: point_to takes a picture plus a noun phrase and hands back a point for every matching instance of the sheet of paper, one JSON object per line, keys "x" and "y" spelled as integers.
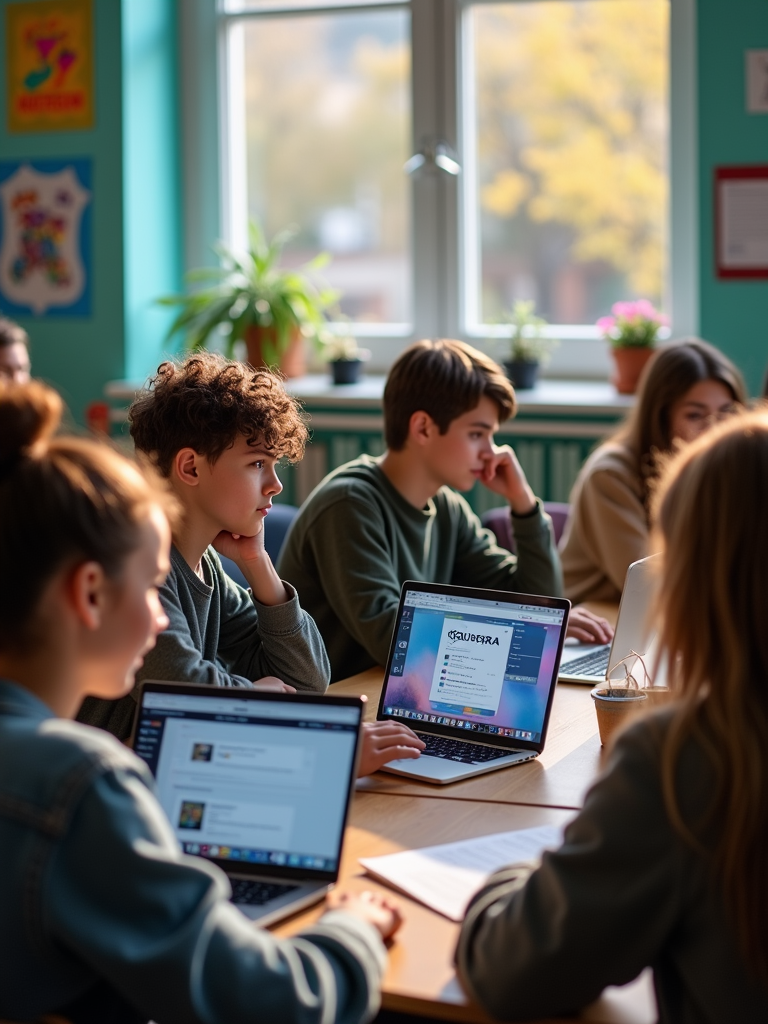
{"x": 446, "y": 877}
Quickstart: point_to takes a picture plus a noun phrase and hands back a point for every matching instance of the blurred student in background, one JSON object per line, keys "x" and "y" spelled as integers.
{"x": 14, "y": 352}
{"x": 685, "y": 388}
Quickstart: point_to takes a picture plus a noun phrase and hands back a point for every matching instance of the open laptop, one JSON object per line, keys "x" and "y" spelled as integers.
{"x": 594, "y": 663}
{"x": 473, "y": 672}
{"x": 259, "y": 783}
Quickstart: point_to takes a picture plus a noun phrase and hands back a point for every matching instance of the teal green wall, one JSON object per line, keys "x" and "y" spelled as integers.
{"x": 78, "y": 354}
{"x": 733, "y": 314}
{"x": 152, "y": 198}
{"x": 137, "y": 236}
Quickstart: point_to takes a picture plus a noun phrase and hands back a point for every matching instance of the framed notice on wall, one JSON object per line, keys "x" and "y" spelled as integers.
{"x": 49, "y": 65}
{"x": 741, "y": 221}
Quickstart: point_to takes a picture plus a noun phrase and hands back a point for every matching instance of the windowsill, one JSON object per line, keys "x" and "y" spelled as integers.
{"x": 575, "y": 398}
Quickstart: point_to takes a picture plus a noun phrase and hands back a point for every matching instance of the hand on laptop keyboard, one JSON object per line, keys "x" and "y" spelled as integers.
{"x": 386, "y": 741}
{"x": 588, "y": 628}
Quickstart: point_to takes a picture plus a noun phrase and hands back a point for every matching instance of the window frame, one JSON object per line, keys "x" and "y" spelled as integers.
{"x": 441, "y": 230}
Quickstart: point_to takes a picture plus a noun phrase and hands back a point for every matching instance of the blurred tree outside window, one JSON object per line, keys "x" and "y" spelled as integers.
{"x": 328, "y": 128}
{"x": 565, "y": 109}
{"x": 571, "y": 121}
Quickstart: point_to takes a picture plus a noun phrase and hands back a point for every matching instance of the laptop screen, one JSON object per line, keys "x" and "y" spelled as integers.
{"x": 480, "y": 661}
{"x": 252, "y": 779}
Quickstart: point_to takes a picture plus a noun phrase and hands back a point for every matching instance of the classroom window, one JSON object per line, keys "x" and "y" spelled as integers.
{"x": 567, "y": 111}
{"x": 322, "y": 104}
{"x": 554, "y": 112}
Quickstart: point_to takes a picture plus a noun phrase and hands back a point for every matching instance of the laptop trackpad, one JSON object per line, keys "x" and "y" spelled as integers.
{"x": 442, "y": 770}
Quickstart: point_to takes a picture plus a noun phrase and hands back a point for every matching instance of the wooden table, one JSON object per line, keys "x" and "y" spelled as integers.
{"x": 559, "y": 777}
{"x": 390, "y": 813}
{"x": 420, "y": 977}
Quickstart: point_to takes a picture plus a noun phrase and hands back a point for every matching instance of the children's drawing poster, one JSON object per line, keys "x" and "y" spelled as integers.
{"x": 45, "y": 237}
{"x": 49, "y": 60}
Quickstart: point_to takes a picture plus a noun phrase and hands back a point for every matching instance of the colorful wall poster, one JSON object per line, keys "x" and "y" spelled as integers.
{"x": 49, "y": 60}
{"x": 45, "y": 237}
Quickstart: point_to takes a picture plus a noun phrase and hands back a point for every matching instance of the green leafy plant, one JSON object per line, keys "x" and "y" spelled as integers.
{"x": 252, "y": 291}
{"x": 527, "y": 342}
{"x": 338, "y": 343}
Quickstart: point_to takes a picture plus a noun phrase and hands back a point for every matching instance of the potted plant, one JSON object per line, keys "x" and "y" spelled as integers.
{"x": 342, "y": 353}
{"x": 632, "y": 331}
{"x": 250, "y": 298}
{"x": 616, "y": 702}
{"x": 528, "y": 347}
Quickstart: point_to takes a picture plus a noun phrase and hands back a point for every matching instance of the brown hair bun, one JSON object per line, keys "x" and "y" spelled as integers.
{"x": 29, "y": 416}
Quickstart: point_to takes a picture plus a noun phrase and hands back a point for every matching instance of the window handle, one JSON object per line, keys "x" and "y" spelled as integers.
{"x": 434, "y": 155}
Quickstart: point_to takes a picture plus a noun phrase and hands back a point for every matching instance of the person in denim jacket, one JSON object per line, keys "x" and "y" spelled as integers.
{"x": 104, "y": 919}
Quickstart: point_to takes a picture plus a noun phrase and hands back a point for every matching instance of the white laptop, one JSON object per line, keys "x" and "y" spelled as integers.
{"x": 594, "y": 663}
{"x": 473, "y": 672}
{"x": 260, "y": 783}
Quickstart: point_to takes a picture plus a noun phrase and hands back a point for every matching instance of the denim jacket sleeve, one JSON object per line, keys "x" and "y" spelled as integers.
{"x": 123, "y": 900}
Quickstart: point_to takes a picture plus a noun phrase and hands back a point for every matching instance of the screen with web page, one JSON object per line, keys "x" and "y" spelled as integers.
{"x": 483, "y": 665}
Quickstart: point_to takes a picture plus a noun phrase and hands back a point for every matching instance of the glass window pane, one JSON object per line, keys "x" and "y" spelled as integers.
{"x": 238, "y": 6}
{"x": 328, "y": 129}
{"x": 571, "y": 128}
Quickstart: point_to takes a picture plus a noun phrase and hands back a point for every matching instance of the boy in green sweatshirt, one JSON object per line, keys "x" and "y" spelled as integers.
{"x": 374, "y": 523}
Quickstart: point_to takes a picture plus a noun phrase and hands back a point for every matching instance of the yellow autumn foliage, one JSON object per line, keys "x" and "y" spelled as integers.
{"x": 572, "y": 125}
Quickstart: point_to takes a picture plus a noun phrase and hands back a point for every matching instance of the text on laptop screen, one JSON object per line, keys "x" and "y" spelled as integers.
{"x": 251, "y": 781}
{"x": 470, "y": 663}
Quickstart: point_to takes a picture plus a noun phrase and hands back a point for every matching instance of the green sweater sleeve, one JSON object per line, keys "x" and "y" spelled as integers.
{"x": 480, "y": 562}
{"x": 351, "y": 548}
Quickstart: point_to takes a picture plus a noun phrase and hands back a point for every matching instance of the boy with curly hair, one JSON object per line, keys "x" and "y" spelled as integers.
{"x": 216, "y": 429}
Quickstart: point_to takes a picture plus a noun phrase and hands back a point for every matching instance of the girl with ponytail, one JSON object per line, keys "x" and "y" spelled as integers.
{"x": 103, "y": 918}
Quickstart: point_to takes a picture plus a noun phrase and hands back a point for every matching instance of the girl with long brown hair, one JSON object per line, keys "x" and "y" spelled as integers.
{"x": 104, "y": 919}
{"x": 667, "y": 864}
{"x": 685, "y": 388}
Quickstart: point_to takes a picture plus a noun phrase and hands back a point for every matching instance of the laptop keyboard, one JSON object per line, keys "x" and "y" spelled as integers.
{"x": 593, "y": 664}
{"x": 459, "y": 750}
{"x": 256, "y": 894}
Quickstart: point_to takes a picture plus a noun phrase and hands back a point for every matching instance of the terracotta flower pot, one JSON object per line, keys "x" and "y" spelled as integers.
{"x": 629, "y": 362}
{"x": 292, "y": 362}
{"x": 614, "y": 706}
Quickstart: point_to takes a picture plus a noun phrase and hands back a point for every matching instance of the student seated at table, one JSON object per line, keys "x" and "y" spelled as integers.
{"x": 215, "y": 430}
{"x": 665, "y": 867}
{"x": 375, "y": 523}
{"x": 104, "y": 919}
{"x": 14, "y": 353}
{"x": 685, "y": 388}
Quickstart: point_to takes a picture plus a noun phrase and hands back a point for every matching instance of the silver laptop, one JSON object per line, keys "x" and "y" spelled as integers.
{"x": 260, "y": 783}
{"x": 594, "y": 663}
{"x": 473, "y": 672}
